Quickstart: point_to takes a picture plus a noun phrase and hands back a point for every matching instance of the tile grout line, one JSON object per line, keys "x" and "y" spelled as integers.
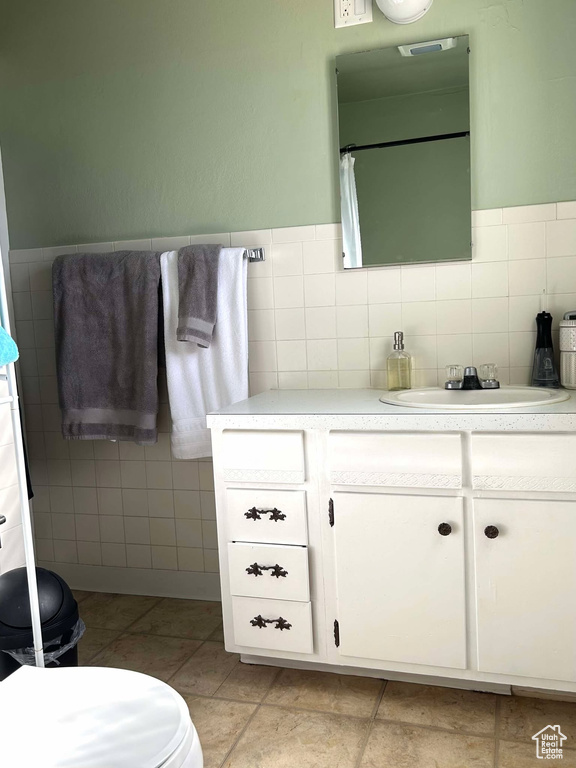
{"x": 497, "y": 732}
{"x": 119, "y": 632}
{"x": 250, "y": 719}
{"x": 371, "y": 722}
{"x": 183, "y": 665}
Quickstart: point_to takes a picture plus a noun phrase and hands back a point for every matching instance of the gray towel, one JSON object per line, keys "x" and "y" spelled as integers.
{"x": 106, "y": 324}
{"x": 198, "y": 289}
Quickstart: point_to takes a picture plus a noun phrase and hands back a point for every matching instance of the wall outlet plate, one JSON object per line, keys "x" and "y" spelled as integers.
{"x": 347, "y": 13}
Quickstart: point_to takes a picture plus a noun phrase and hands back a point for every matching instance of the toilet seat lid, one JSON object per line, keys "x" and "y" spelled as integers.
{"x": 89, "y": 717}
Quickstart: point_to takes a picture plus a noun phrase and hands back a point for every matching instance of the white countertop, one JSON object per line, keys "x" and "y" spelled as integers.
{"x": 361, "y": 409}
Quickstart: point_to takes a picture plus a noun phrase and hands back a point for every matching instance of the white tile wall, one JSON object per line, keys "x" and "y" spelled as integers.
{"x": 311, "y": 325}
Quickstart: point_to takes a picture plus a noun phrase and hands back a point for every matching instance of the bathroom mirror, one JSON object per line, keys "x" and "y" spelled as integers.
{"x": 404, "y": 141}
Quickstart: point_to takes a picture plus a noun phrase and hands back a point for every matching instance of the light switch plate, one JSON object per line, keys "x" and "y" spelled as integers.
{"x": 347, "y": 13}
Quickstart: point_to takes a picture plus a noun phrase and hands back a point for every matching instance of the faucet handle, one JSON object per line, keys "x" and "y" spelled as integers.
{"x": 454, "y": 377}
{"x": 488, "y": 376}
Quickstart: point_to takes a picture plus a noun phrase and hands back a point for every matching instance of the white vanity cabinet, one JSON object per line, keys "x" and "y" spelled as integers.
{"x": 400, "y": 578}
{"x": 414, "y": 546}
{"x": 526, "y": 587}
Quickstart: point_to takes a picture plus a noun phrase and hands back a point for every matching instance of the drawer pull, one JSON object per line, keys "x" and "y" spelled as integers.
{"x": 444, "y": 529}
{"x": 491, "y": 532}
{"x": 255, "y": 512}
{"x": 259, "y": 621}
{"x": 258, "y": 570}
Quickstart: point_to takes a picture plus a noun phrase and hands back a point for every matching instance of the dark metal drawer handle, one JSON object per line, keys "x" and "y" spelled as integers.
{"x": 260, "y": 622}
{"x": 2, "y": 521}
{"x": 491, "y": 532}
{"x": 255, "y": 512}
{"x": 258, "y": 570}
{"x": 444, "y": 529}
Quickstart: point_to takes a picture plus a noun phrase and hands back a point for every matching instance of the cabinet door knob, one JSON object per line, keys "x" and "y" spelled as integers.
{"x": 491, "y": 532}
{"x": 444, "y": 529}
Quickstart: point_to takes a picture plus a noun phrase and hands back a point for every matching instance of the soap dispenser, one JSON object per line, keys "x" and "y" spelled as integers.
{"x": 399, "y": 365}
{"x": 544, "y": 373}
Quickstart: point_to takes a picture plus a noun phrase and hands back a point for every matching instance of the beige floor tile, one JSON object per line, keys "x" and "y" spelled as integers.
{"x": 151, "y": 655}
{"x": 92, "y": 642}
{"x": 193, "y": 619}
{"x": 205, "y": 672}
{"x": 219, "y": 723}
{"x": 325, "y": 692}
{"x": 513, "y": 755}
{"x": 247, "y": 682}
{"x": 114, "y": 611}
{"x": 218, "y": 635}
{"x": 284, "y": 738}
{"x": 439, "y": 707}
{"x": 402, "y": 746}
{"x": 521, "y": 718}
{"x": 80, "y": 594}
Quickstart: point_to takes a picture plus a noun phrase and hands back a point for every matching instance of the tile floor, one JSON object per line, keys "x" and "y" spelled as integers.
{"x": 265, "y": 717}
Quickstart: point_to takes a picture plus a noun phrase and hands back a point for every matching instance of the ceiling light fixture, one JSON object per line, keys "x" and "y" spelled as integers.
{"x": 404, "y": 11}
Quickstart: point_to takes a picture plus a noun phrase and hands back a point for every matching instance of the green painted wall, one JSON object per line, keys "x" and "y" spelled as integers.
{"x": 127, "y": 118}
{"x": 424, "y": 183}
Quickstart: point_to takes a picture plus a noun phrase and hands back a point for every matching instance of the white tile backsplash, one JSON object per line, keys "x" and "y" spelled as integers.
{"x": 489, "y": 280}
{"x": 566, "y": 210}
{"x": 489, "y": 243}
{"x": 286, "y": 259}
{"x": 525, "y": 281}
{"x": 322, "y": 256}
{"x": 561, "y": 238}
{"x": 418, "y": 283}
{"x": 311, "y": 325}
{"x": 487, "y": 218}
{"x": 384, "y": 285}
{"x": 288, "y": 292}
{"x": 352, "y": 288}
{"x": 527, "y": 241}
{"x": 526, "y": 213}
{"x": 319, "y": 290}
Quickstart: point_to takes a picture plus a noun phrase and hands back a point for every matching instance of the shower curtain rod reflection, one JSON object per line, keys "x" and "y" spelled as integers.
{"x": 403, "y": 142}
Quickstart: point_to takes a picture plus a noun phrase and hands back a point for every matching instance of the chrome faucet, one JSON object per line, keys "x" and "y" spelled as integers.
{"x": 467, "y": 378}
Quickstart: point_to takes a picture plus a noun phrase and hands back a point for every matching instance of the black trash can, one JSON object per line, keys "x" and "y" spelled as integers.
{"x": 58, "y": 615}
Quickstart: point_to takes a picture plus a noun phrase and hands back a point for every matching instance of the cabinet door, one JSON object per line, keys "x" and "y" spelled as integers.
{"x": 400, "y": 582}
{"x": 526, "y": 581}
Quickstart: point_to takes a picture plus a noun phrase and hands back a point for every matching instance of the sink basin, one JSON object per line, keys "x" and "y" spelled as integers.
{"x": 475, "y": 399}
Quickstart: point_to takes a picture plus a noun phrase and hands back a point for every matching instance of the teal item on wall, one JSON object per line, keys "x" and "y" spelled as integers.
{"x": 8, "y": 349}
{"x": 135, "y": 118}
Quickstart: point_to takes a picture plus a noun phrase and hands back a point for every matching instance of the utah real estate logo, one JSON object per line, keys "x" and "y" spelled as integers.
{"x": 549, "y": 743}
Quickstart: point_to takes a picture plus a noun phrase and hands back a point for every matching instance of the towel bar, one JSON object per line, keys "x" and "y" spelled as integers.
{"x": 255, "y": 254}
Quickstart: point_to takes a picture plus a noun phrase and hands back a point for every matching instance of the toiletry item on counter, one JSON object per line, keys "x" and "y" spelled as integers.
{"x": 568, "y": 350}
{"x": 399, "y": 365}
{"x": 544, "y": 372}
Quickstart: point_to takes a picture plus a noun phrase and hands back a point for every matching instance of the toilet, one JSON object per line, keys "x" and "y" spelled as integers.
{"x": 94, "y": 717}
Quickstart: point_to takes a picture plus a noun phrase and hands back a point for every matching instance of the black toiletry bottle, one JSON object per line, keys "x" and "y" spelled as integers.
{"x": 544, "y": 373}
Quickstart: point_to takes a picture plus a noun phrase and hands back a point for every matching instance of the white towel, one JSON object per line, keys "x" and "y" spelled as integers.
{"x": 204, "y": 380}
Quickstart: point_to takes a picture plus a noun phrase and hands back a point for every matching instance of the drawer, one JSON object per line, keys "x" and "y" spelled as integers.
{"x": 250, "y": 456}
{"x": 524, "y": 463}
{"x": 269, "y": 516}
{"x": 275, "y": 572}
{"x": 257, "y": 625}
{"x": 395, "y": 460}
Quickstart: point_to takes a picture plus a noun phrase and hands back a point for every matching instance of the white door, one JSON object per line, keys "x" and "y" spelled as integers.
{"x": 400, "y": 580}
{"x": 526, "y": 580}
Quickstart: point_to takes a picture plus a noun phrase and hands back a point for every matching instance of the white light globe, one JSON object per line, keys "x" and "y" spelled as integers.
{"x": 404, "y": 11}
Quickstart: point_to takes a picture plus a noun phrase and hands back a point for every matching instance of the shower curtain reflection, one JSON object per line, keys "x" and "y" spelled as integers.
{"x": 352, "y": 243}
